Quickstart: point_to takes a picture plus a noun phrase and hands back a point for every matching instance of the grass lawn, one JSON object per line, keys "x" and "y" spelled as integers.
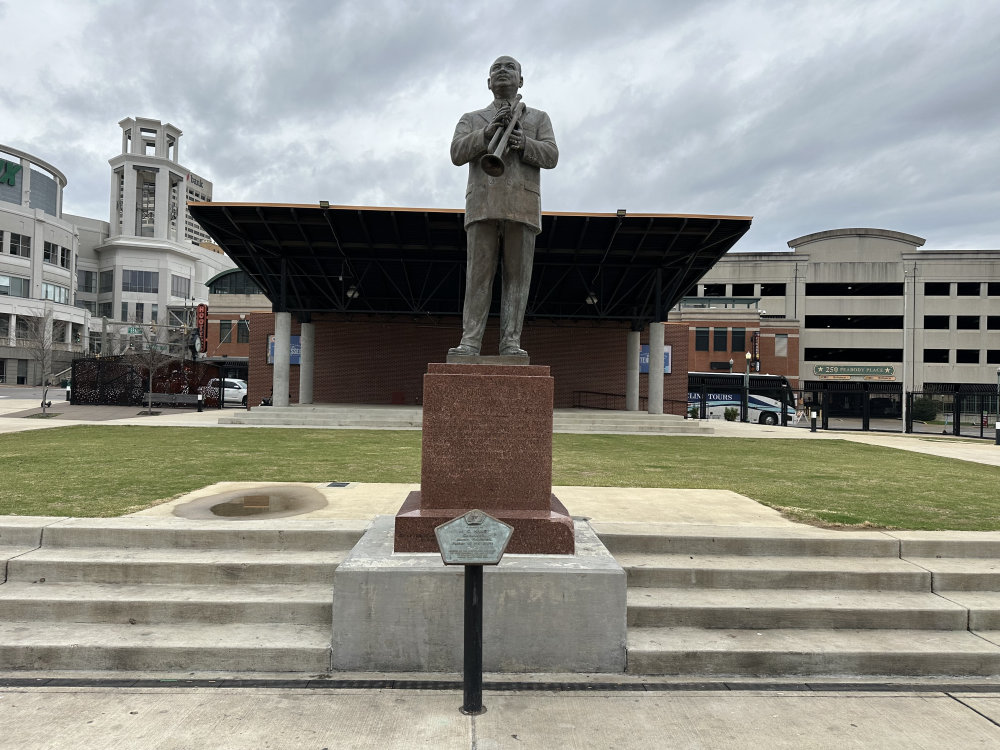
{"x": 98, "y": 470}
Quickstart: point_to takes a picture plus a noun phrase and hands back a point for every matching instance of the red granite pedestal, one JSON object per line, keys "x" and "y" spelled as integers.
{"x": 487, "y": 444}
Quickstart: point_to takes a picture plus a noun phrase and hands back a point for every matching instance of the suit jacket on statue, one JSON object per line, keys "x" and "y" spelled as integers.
{"x": 515, "y": 195}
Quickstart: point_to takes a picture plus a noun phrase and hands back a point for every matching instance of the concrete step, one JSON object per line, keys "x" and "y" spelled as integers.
{"x": 983, "y": 606}
{"x": 411, "y": 418}
{"x": 784, "y": 652}
{"x": 795, "y": 541}
{"x": 175, "y": 533}
{"x": 750, "y": 572}
{"x": 949, "y": 543}
{"x": 252, "y": 647}
{"x": 176, "y": 566}
{"x": 785, "y": 608}
{"x": 307, "y": 604}
{"x": 961, "y": 573}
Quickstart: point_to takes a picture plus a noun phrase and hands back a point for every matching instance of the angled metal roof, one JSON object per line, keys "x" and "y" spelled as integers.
{"x": 350, "y": 259}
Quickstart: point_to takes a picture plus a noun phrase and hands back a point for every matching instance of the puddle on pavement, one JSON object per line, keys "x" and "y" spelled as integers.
{"x": 274, "y": 501}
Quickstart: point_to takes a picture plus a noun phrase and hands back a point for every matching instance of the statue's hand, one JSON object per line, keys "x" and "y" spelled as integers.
{"x": 516, "y": 140}
{"x": 499, "y": 122}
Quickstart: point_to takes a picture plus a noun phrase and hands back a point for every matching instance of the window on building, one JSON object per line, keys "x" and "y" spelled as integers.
{"x": 715, "y": 290}
{"x": 781, "y": 345}
{"x": 936, "y": 356}
{"x": 225, "y": 331}
{"x": 720, "y": 339}
{"x": 106, "y": 283}
{"x": 967, "y": 356}
{"x": 838, "y": 354}
{"x": 937, "y": 288}
{"x": 236, "y": 282}
{"x": 4, "y": 328}
{"x": 967, "y": 322}
{"x": 86, "y": 281}
{"x": 15, "y": 286}
{"x": 743, "y": 290}
{"x": 104, "y": 309}
{"x": 20, "y": 244}
{"x": 739, "y": 340}
{"x": 154, "y": 313}
{"x": 993, "y": 357}
{"x": 936, "y": 322}
{"x": 88, "y": 305}
{"x": 993, "y": 289}
{"x": 243, "y": 332}
{"x": 180, "y": 286}
{"x": 856, "y": 322}
{"x": 124, "y": 311}
{"x": 55, "y": 254}
{"x": 993, "y": 322}
{"x": 55, "y": 293}
{"x": 701, "y": 339}
{"x": 968, "y": 288}
{"x": 140, "y": 281}
{"x": 140, "y": 311}
{"x": 21, "y": 328}
{"x": 856, "y": 289}
{"x": 772, "y": 290}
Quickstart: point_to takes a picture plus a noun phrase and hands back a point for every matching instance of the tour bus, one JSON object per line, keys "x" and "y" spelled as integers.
{"x": 711, "y": 393}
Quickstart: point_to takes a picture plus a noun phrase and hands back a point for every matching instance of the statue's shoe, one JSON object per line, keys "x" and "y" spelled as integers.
{"x": 464, "y": 350}
{"x": 512, "y": 351}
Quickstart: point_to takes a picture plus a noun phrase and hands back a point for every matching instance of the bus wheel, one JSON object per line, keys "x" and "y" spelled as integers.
{"x": 769, "y": 418}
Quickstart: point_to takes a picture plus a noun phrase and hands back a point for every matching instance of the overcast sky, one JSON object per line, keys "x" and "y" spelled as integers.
{"x": 805, "y": 115}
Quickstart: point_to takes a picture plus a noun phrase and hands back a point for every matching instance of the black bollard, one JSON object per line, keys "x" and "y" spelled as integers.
{"x": 472, "y": 683}
{"x": 812, "y": 421}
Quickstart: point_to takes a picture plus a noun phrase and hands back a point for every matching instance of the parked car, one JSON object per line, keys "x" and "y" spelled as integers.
{"x": 233, "y": 391}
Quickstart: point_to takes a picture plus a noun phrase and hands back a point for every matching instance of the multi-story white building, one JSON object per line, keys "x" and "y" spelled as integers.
{"x": 87, "y": 279}
{"x": 39, "y": 326}
{"x": 872, "y": 305}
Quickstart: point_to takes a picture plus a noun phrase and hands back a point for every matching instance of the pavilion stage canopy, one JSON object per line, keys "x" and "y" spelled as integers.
{"x": 411, "y": 261}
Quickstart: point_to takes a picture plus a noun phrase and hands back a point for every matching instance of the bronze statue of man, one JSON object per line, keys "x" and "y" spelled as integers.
{"x": 501, "y": 211}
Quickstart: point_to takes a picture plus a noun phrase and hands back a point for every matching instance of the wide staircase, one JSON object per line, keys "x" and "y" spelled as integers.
{"x": 170, "y": 595}
{"x": 368, "y": 417}
{"x": 803, "y": 601}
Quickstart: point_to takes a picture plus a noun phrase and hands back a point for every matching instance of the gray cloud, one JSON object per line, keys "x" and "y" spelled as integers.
{"x": 808, "y": 116}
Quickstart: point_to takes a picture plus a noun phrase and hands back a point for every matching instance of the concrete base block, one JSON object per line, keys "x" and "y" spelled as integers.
{"x": 402, "y": 612}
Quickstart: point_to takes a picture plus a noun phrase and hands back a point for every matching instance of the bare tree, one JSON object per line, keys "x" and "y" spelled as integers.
{"x": 34, "y": 334}
{"x": 150, "y": 350}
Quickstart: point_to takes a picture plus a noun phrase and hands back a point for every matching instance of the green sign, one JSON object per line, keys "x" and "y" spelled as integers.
{"x": 855, "y": 370}
{"x": 8, "y": 172}
{"x": 134, "y": 330}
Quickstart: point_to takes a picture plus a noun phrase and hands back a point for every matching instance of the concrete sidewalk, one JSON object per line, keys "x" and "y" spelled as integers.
{"x": 717, "y": 716}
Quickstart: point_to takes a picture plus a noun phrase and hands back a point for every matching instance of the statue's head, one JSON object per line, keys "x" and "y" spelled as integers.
{"x": 505, "y": 77}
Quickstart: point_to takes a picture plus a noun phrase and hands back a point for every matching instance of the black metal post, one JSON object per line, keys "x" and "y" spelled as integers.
{"x": 472, "y": 685}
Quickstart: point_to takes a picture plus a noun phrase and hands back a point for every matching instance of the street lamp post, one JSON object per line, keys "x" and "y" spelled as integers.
{"x": 746, "y": 393}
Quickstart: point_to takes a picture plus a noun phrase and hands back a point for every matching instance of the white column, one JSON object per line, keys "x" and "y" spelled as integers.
{"x": 655, "y": 399}
{"x": 12, "y": 334}
{"x": 128, "y": 201}
{"x": 161, "y": 211}
{"x": 307, "y": 348}
{"x": 632, "y": 371}
{"x": 282, "y": 349}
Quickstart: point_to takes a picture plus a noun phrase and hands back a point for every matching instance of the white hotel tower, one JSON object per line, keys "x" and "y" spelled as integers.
{"x": 150, "y": 262}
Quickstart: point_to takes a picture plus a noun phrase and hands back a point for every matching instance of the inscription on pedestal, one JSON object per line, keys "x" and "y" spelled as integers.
{"x": 473, "y": 539}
